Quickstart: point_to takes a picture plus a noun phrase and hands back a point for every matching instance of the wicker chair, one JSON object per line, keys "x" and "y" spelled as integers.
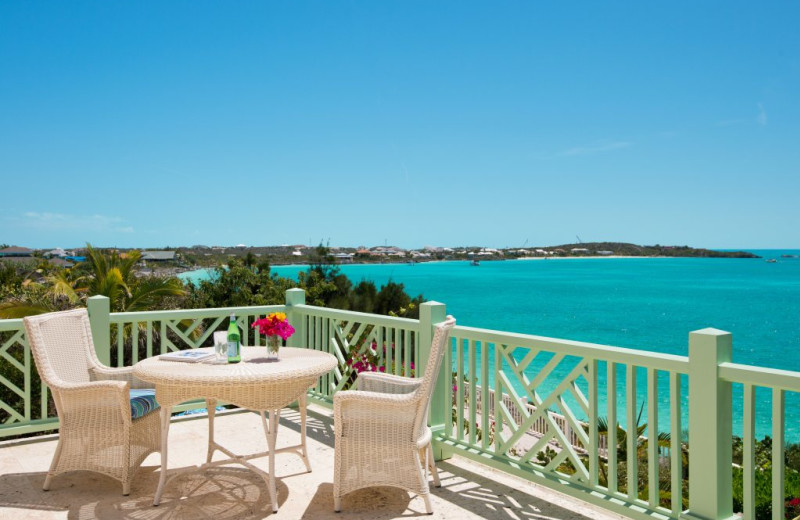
{"x": 95, "y": 403}
{"x": 382, "y": 433}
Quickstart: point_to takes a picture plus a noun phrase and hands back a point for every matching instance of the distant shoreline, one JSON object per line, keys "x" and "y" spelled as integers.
{"x": 595, "y": 257}
{"x": 487, "y": 260}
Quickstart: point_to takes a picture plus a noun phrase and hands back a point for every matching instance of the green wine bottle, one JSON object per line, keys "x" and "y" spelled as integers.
{"x": 234, "y": 343}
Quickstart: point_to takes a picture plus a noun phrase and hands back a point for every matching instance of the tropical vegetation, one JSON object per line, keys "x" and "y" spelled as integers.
{"x": 104, "y": 273}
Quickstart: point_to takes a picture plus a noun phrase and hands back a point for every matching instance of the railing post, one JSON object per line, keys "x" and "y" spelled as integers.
{"x": 710, "y": 457}
{"x": 295, "y": 297}
{"x": 99, "y": 309}
{"x": 431, "y": 314}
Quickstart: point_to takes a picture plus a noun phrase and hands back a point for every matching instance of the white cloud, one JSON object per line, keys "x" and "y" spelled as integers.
{"x": 597, "y": 147}
{"x": 61, "y": 221}
{"x": 762, "y": 115}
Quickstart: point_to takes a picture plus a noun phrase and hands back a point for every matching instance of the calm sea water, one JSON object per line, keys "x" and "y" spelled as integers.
{"x": 641, "y": 303}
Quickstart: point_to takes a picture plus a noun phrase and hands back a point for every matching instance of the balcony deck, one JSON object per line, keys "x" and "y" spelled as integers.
{"x": 469, "y": 490}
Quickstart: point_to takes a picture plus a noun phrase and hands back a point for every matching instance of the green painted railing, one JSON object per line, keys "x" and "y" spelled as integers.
{"x": 529, "y": 382}
{"x": 531, "y": 406}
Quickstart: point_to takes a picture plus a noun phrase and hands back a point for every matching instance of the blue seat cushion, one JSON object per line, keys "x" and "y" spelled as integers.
{"x": 143, "y": 401}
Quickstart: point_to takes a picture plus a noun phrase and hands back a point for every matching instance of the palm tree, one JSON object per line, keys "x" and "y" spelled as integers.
{"x": 109, "y": 274}
{"x": 112, "y": 275}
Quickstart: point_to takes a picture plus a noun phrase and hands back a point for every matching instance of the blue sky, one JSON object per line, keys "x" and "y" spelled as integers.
{"x": 152, "y": 124}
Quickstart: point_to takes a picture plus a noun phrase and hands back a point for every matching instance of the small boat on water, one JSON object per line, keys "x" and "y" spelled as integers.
{"x": 771, "y": 261}
{"x": 789, "y": 256}
{"x": 475, "y": 262}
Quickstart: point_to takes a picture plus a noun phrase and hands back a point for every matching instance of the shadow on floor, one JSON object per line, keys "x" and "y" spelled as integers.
{"x": 232, "y": 493}
{"x": 219, "y": 493}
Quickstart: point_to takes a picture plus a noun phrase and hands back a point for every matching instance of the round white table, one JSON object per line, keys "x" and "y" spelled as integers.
{"x": 256, "y": 383}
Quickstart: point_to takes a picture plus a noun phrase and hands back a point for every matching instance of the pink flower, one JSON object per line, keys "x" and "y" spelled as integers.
{"x": 275, "y": 324}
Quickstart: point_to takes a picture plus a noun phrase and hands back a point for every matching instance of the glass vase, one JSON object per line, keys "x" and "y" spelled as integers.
{"x": 273, "y": 347}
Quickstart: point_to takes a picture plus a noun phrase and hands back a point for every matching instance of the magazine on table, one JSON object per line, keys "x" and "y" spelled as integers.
{"x": 189, "y": 356}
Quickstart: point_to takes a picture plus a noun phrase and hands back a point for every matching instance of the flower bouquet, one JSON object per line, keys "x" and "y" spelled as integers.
{"x": 275, "y": 327}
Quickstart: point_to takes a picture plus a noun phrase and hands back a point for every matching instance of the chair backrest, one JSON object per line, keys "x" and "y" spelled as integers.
{"x": 62, "y": 346}
{"x": 425, "y": 390}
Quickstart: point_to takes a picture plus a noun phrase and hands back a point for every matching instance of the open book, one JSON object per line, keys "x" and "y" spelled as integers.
{"x": 190, "y": 356}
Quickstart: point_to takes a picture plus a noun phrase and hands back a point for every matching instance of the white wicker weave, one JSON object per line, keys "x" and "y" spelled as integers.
{"x": 92, "y": 400}
{"x": 256, "y": 383}
{"x": 382, "y": 434}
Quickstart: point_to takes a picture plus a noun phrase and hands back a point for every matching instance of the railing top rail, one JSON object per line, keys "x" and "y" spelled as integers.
{"x": 642, "y": 358}
{"x": 350, "y": 315}
{"x": 760, "y": 376}
{"x": 117, "y": 317}
{"x": 11, "y": 324}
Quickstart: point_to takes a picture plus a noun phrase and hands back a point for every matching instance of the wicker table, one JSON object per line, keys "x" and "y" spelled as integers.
{"x": 256, "y": 383}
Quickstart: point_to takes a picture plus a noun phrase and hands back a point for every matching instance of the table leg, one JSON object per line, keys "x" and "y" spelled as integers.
{"x": 166, "y": 413}
{"x": 302, "y": 401}
{"x": 272, "y": 437}
{"x": 211, "y": 407}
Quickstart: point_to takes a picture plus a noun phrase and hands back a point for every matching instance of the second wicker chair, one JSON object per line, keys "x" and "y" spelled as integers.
{"x": 382, "y": 433}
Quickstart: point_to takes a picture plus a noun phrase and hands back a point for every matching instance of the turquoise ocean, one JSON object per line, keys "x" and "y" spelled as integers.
{"x": 640, "y": 303}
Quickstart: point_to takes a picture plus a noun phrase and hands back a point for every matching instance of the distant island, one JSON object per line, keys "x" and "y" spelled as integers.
{"x": 169, "y": 261}
{"x": 625, "y": 249}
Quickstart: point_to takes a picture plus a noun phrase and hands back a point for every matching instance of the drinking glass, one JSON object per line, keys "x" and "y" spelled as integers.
{"x": 221, "y": 345}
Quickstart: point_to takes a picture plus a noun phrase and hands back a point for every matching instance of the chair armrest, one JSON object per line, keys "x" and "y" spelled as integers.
{"x": 356, "y": 396}
{"x": 356, "y": 411}
{"x": 387, "y": 383}
{"x": 103, "y": 373}
{"x": 105, "y": 401}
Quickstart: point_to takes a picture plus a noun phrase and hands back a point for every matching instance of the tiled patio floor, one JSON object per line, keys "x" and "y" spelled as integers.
{"x": 468, "y": 491}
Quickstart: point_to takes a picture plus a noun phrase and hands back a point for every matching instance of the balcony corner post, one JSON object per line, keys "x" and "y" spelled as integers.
{"x": 710, "y": 434}
{"x": 99, "y": 309}
{"x": 295, "y": 297}
{"x": 430, "y": 315}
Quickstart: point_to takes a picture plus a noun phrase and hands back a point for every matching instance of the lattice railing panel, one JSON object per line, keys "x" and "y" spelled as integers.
{"x": 359, "y": 342}
{"x": 23, "y": 397}
{"x": 158, "y": 333}
{"x": 558, "y": 410}
{"x": 15, "y": 378}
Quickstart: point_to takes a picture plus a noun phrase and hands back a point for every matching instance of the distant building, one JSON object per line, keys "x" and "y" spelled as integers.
{"x": 158, "y": 256}
{"x": 60, "y": 262}
{"x": 344, "y": 258}
{"x": 16, "y": 251}
{"x": 57, "y": 253}
{"x": 579, "y": 250}
{"x": 605, "y": 253}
